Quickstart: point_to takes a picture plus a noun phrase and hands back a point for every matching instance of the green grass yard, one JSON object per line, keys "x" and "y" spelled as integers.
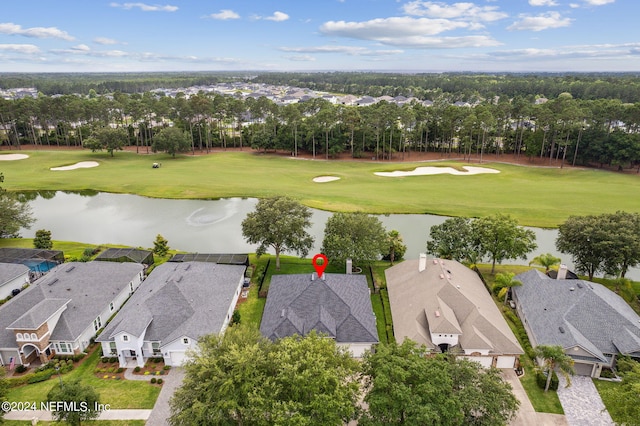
{"x": 118, "y": 393}
{"x": 535, "y": 196}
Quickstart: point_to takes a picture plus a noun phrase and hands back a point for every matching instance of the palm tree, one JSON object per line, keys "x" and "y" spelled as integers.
{"x": 546, "y": 260}
{"x": 554, "y": 358}
{"x": 505, "y": 282}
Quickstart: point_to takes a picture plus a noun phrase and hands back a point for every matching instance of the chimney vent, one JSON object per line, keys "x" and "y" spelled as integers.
{"x": 422, "y": 263}
{"x": 312, "y": 276}
{"x": 349, "y": 266}
{"x": 562, "y": 272}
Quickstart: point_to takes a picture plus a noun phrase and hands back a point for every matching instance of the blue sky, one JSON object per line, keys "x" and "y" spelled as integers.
{"x": 292, "y": 35}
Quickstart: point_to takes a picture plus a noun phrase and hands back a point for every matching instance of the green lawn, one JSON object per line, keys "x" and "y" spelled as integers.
{"x": 118, "y": 393}
{"x": 542, "y": 197}
{"x": 608, "y": 393}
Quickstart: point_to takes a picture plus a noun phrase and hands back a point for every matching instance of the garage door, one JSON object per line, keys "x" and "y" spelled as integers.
{"x": 485, "y": 361}
{"x": 177, "y": 358}
{"x": 583, "y": 369}
{"x": 506, "y": 361}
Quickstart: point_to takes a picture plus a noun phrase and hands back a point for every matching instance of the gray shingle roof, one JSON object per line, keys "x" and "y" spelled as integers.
{"x": 178, "y": 299}
{"x": 39, "y": 314}
{"x": 10, "y": 271}
{"x": 339, "y": 305}
{"x": 89, "y": 287}
{"x": 449, "y": 298}
{"x": 591, "y": 315}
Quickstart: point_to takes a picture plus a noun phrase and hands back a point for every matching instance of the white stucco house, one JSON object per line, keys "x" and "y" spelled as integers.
{"x": 62, "y": 311}
{"x": 176, "y": 305}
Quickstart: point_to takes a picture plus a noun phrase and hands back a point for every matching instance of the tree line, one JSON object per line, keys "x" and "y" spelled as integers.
{"x": 564, "y": 130}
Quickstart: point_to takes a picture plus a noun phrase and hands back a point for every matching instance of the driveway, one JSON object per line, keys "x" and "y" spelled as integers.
{"x": 582, "y": 403}
{"x": 161, "y": 410}
{"x": 526, "y": 415}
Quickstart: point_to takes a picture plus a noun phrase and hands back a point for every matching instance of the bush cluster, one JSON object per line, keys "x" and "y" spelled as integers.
{"x": 21, "y": 369}
{"x": 64, "y": 366}
{"x": 137, "y": 369}
{"x": 153, "y": 380}
{"x": 74, "y": 358}
{"x": 541, "y": 380}
{"x": 109, "y": 370}
{"x": 109, "y": 359}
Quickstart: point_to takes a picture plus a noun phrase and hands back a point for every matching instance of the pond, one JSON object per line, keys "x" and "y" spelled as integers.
{"x": 204, "y": 226}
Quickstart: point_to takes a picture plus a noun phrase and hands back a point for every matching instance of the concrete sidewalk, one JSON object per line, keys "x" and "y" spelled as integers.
{"x": 526, "y": 415}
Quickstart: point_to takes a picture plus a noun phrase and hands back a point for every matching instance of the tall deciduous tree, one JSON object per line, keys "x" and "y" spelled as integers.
{"x": 499, "y": 237}
{"x": 281, "y": 223}
{"x": 14, "y": 214}
{"x": 582, "y": 236}
{"x": 452, "y": 240}
{"x": 553, "y": 357}
{"x": 171, "y": 140}
{"x": 357, "y": 236}
{"x": 407, "y": 387}
{"x": 243, "y": 378}
{"x": 107, "y": 139}
{"x": 82, "y": 402}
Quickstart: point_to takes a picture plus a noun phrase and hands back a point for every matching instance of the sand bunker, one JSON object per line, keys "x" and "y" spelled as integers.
{"x": 322, "y": 179}
{"x": 421, "y": 171}
{"x": 11, "y": 157}
{"x": 80, "y": 165}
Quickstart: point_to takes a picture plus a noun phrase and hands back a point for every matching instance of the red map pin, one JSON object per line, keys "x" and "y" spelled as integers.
{"x": 320, "y": 268}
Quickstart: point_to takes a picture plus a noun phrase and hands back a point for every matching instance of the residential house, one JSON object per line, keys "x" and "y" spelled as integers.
{"x": 176, "y": 305}
{"x": 12, "y": 277}
{"x": 338, "y": 305}
{"x": 62, "y": 311}
{"x": 593, "y": 324}
{"x": 445, "y": 306}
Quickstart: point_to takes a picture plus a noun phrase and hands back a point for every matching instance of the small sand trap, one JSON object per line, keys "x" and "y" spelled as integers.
{"x": 421, "y": 171}
{"x": 12, "y": 157}
{"x": 322, "y": 179}
{"x": 80, "y": 165}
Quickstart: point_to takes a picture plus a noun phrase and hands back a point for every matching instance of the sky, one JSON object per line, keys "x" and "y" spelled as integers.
{"x": 320, "y": 35}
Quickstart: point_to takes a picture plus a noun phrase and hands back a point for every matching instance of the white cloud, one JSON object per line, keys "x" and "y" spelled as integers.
{"x": 145, "y": 7}
{"x": 574, "y": 5}
{"x": 543, "y": 3}
{"x": 349, "y": 50}
{"x": 301, "y": 58}
{"x": 28, "y": 49}
{"x": 34, "y": 32}
{"x": 540, "y": 22}
{"x": 598, "y": 2}
{"x": 224, "y": 15}
{"x": 463, "y": 10}
{"x": 105, "y": 40}
{"x": 277, "y": 17}
{"x": 387, "y": 28}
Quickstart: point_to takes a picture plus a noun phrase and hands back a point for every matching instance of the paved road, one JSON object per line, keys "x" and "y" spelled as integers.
{"x": 582, "y": 403}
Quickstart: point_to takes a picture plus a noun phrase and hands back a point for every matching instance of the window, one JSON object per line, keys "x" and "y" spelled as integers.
{"x": 111, "y": 306}
{"x": 62, "y": 347}
{"x": 34, "y": 336}
{"x": 97, "y": 324}
{"x": 156, "y": 348}
{"x": 125, "y": 338}
{"x": 113, "y": 348}
{"x": 185, "y": 340}
{"x": 131, "y": 288}
{"x": 18, "y": 336}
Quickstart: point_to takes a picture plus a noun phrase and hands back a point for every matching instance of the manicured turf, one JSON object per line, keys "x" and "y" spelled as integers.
{"x": 609, "y": 392}
{"x": 542, "y": 197}
{"x": 117, "y": 393}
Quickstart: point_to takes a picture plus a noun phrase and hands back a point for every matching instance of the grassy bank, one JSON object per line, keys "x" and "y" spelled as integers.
{"x": 542, "y": 197}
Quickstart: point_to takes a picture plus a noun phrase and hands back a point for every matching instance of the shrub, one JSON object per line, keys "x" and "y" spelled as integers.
{"x": 106, "y": 376}
{"x": 153, "y": 380}
{"x": 40, "y": 376}
{"x": 607, "y": 373}
{"x": 625, "y": 363}
{"x": 79, "y": 356}
{"x": 146, "y": 373}
{"x": 120, "y": 370}
{"x": 104, "y": 359}
{"x": 159, "y": 372}
{"x": 541, "y": 380}
{"x": 113, "y": 359}
{"x": 137, "y": 369}
{"x": 21, "y": 369}
{"x": 159, "y": 381}
{"x": 166, "y": 367}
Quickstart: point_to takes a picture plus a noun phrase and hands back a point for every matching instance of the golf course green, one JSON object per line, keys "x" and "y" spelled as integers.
{"x": 535, "y": 196}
